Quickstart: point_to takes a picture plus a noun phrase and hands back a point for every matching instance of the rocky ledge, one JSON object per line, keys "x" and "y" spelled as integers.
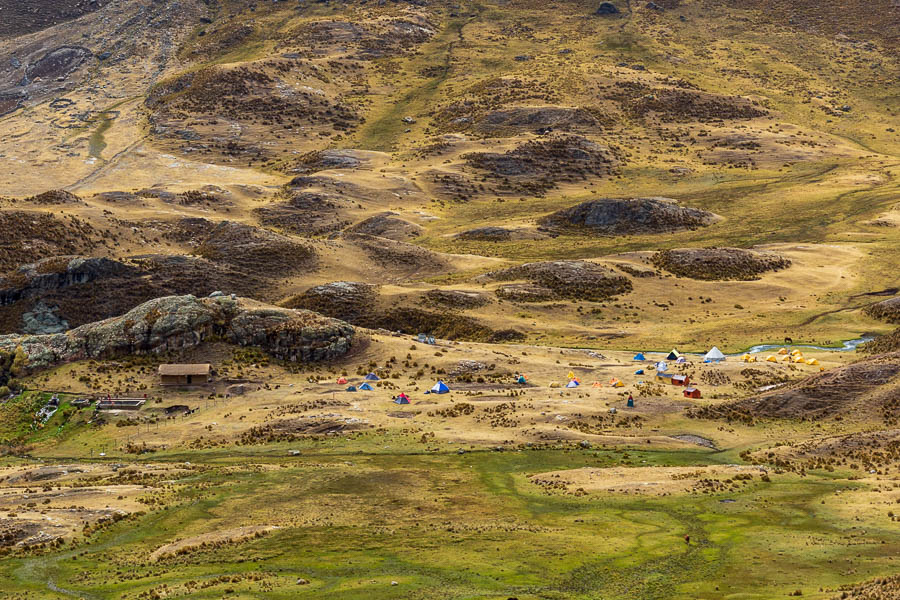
{"x": 174, "y": 323}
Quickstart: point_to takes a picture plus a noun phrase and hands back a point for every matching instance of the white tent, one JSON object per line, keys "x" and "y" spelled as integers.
{"x": 714, "y": 355}
{"x": 662, "y": 366}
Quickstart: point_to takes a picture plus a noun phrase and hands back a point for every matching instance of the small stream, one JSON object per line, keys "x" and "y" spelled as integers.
{"x": 847, "y": 346}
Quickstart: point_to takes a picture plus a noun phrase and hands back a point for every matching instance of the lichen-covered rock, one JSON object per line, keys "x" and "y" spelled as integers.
{"x": 181, "y": 322}
{"x": 623, "y": 216}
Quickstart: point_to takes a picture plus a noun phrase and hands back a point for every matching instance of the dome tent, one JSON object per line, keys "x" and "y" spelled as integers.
{"x": 440, "y": 388}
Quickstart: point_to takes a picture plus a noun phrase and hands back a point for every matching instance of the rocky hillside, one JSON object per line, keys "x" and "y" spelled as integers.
{"x": 176, "y": 323}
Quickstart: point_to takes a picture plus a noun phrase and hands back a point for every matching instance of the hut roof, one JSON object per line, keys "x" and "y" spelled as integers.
{"x": 184, "y": 369}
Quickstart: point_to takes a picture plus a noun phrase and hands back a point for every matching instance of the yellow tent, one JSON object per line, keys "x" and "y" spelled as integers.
{"x": 554, "y": 384}
{"x": 795, "y": 352}
{"x": 783, "y": 351}
{"x": 812, "y": 361}
{"x": 618, "y": 384}
{"x": 771, "y": 358}
{"x": 752, "y": 359}
{"x": 786, "y": 359}
{"x": 799, "y": 359}
{"x": 571, "y": 375}
{"x": 746, "y": 358}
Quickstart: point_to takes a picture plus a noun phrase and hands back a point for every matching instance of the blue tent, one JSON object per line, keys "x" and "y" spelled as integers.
{"x": 521, "y": 379}
{"x": 372, "y": 377}
{"x": 366, "y": 387}
{"x": 401, "y": 399}
{"x": 440, "y": 388}
{"x": 572, "y": 384}
{"x": 352, "y": 388}
{"x": 639, "y": 372}
{"x": 639, "y": 356}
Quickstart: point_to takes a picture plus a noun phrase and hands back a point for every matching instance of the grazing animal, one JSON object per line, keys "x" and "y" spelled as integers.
{"x": 788, "y": 340}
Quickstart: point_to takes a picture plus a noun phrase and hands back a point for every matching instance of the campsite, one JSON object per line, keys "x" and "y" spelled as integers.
{"x": 550, "y": 468}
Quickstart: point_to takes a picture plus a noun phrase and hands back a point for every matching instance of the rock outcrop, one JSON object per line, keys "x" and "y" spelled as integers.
{"x": 58, "y": 272}
{"x": 619, "y": 216}
{"x": 175, "y": 323}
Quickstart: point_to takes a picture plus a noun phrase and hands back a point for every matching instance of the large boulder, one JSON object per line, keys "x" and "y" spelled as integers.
{"x": 607, "y": 8}
{"x": 175, "y": 323}
{"x": 619, "y": 216}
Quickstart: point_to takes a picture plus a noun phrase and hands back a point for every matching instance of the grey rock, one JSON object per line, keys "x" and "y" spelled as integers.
{"x": 175, "y": 323}
{"x": 607, "y": 8}
{"x": 42, "y": 319}
{"x": 616, "y": 216}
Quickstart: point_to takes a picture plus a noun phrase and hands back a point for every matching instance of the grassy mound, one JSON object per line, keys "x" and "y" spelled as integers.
{"x": 255, "y": 249}
{"x": 28, "y": 237}
{"x": 882, "y": 588}
{"x": 55, "y": 197}
{"x": 387, "y": 225}
{"x": 719, "y": 264}
{"x": 305, "y": 213}
{"x": 349, "y": 301}
{"x": 865, "y": 388}
{"x": 538, "y": 166}
{"x": 571, "y": 279}
{"x": 886, "y": 310}
{"x": 889, "y": 342}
